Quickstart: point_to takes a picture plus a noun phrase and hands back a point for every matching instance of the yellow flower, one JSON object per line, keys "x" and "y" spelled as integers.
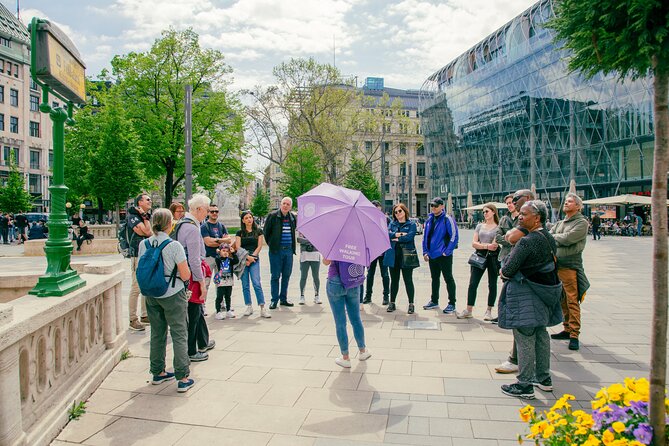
{"x": 618, "y": 426}
{"x": 562, "y": 402}
{"x": 608, "y": 437}
{"x": 616, "y": 392}
{"x": 598, "y": 404}
{"x": 552, "y": 416}
{"x": 582, "y": 430}
{"x": 527, "y": 413}
{"x": 548, "y": 431}
{"x": 592, "y": 441}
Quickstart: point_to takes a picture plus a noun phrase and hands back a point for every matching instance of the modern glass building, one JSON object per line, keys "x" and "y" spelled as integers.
{"x": 507, "y": 114}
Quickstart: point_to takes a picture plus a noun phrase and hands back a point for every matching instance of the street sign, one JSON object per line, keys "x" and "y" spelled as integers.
{"x": 57, "y": 63}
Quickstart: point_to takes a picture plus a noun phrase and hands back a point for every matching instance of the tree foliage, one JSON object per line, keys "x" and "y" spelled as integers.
{"x": 153, "y": 92}
{"x": 14, "y": 198}
{"x": 361, "y": 177}
{"x": 631, "y": 38}
{"x": 260, "y": 204}
{"x": 301, "y": 172}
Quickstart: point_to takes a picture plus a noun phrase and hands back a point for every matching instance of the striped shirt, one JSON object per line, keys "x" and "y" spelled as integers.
{"x": 286, "y": 233}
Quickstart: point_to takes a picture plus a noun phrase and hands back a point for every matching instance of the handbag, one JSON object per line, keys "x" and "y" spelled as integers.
{"x": 410, "y": 258}
{"x": 478, "y": 261}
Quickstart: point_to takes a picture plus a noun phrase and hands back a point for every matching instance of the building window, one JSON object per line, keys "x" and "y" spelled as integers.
{"x": 386, "y": 168}
{"x": 16, "y": 71}
{"x": 386, "y": 127}
{"x": 403, "y": 169}
{"x": 34, "y": 159}
{"x": 34, "y": 103}
{"x": 5, "y": 42}
{"x": 50, "y": 159}
{"x": 33, "y": 85}
{"x": 10, "y": 153}
{"x": 8, "y": 67}
{"x": 420, "y": 169}
{"x": 34, "y": 183}
{"x": 403, "y": 148}
{"x": 387, "y": 188}
{"x": 14, "y": 124}
{"x": 14, "y": 97}
{"x": 55, "y": 105}
{"x": 2, "y": 65}
{"x": 34, "y": 129}
{"x": 420, "y": 150}
{"x": 421, "y": 186}
{"x": 2, "y": 122}
{"x": 368, "y": 146}
{"x": 2, "y": 93}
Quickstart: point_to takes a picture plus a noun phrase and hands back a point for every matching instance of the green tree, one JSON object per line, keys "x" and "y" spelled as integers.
{"x": 260, "y": 204}
{"x": 153, "y": 92}
{"x": 14, "y": 198}
{"x": 631, "y": 38}
{"x": 361, "y": 177}
{"x": 301, "y": 172}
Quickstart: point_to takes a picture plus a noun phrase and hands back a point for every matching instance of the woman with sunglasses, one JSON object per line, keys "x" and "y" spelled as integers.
{"x": 485, "y": 245}
{"x": 402, "y": 232}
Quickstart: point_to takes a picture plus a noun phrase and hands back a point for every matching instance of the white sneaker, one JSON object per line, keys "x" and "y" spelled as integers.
{"x": 249, "y": 310}
{"x": 364, "y": 356}
{"x": 220, "y": 315}
{"x": 507, "y": 367}
{"x": 464, "y": 314}
{"x": 264, "y": 312}
{"x": 317, "y": 300}
{"x": 488, "y": 316}
{"x": 302, "y": 301}
{"x": 346, "y": 363}
{"x": 231, "y": 314}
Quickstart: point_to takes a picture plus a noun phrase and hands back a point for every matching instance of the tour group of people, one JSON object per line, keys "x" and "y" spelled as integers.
{"x": 542, "y": 272}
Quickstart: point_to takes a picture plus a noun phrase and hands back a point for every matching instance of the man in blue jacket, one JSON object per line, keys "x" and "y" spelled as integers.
{"x": 439, "y": 240}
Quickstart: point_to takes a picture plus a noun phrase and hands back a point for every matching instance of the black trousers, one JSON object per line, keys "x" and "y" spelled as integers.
{"x": 385, "y": 278}
{"x": 198, "y": 333}
{"x": 443, "y": 266}
{"x": 492, "y": 267}
{"x": 4, "y": 233}
{"x": 223, "y": 292}
{"x": 407, "y": 275}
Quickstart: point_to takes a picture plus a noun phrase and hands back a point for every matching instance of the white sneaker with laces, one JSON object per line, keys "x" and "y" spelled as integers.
{"x": 317, "y": 300}
{"x": 249, "y": 310}
{"x": 488, "y": 316}
{"x": 346, "y": 363}
{"x": 302, "y": 301}
{"x": 364, "y": 356}
{"x": 231, "y": 314}
{"x": 220, "y": 315}
{"x": 264, "y": 312}
{"x": 507, "y": 367}
{"x": 464, "y": 314}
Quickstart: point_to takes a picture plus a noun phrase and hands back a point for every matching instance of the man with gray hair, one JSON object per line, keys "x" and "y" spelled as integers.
{"x": 280, "y": 236}
{"x": 187, "y": 232}
{"x": 570, "y": 235}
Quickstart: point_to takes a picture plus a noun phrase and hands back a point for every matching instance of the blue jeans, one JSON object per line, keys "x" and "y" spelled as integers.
{"x": 252, "y": 270}
{"x": 344, "y": 301}
{"x": 281, "y": 266}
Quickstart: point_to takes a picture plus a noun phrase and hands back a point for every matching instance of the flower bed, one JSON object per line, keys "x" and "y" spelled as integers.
{"x": 619, "y": 417}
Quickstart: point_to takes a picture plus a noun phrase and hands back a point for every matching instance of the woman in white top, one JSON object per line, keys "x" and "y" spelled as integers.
{"x": 170, "y": 309}
{"x": 485, "y": 245}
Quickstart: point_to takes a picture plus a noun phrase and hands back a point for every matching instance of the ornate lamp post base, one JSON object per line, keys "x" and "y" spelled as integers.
{"x": 58, "y": 285}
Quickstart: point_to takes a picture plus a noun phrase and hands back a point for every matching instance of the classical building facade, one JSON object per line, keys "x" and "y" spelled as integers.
{"x": 25, "y": 132}
{"x": 508, "y": 114}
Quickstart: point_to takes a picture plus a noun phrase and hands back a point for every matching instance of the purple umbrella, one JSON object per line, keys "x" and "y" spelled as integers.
{"x": 342, "y": 224}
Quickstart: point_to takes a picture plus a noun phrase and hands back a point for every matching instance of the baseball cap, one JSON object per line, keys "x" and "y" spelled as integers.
{"x": 437, "y": 201}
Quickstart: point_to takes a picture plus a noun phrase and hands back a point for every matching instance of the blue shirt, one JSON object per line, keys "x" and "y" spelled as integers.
{"x": 286, "y": 233}
{"x": 213, "y": 230}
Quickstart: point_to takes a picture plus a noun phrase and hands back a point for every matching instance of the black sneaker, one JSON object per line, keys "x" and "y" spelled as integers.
{"x": 285, "y": 303}
{"x": 573, "y": 344}
{"x": 546, "y": 385}
{"x": 494, "y": 320}
{"x": 411, "y": 309}
{"x": 367, "y": 300}
{"x": 562, "y": 335}
{"x": 385, "y": 300}
{"x": 519, "y": 390}
{"x": 272, "y": 306}
{"x": 391, "y": 307}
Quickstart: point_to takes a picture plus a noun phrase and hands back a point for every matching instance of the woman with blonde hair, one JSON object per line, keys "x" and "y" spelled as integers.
{"x": 485, "y": 245}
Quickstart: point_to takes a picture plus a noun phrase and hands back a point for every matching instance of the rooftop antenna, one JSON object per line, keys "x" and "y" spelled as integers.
{"x": 18, "y": 7}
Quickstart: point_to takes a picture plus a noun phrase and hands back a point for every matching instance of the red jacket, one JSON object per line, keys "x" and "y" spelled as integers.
{"x": 196, "y": 296}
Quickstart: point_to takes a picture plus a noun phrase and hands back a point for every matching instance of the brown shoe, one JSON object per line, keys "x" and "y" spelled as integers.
{"x": 144, "y": 320}
{"x": 136, "y": 326}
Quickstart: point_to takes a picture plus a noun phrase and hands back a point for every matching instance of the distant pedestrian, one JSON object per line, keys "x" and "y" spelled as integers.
{"x": 280, "y": 236}
{"x": 596, "y": 223}
{"x": 385, "y": 276}
{"x": 250, "y": 237}
{"x": 4, "y": 228}
{"x": 84, "y": 235}
{"x": 310, "y": 260}
{"x": 639, "y": 224}
{"x": 440, "y": 239}
{"x": 401, "y": 258}
{"x": 21, "y": 224}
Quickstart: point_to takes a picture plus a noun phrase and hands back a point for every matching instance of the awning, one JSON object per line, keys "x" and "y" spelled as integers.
{"x": 621, "y": 200}
{"x": 479, "y": 207}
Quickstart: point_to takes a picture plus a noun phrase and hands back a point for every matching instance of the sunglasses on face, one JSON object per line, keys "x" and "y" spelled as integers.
{"x": 213, "y": 212}
{"x": 399, "y": 211}
{"x": 433, "y": 205}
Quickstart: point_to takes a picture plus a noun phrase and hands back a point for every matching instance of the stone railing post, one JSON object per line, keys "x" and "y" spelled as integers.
{"x": 119, "y": 307}
{"x": 11, "y": 429}
{"x": 109, "y": 332}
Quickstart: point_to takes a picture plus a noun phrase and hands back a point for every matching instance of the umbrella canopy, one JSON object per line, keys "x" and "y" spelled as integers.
{"x": 479, "y": 207}
{"x": 620, "y": 200}
{"x": 342, "y": 224}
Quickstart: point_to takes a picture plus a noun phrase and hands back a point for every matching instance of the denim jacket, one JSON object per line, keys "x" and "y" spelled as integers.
{"x": 404, "y": 242}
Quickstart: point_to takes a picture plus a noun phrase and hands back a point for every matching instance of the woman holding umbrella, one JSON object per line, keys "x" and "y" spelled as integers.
{"x": 402, "y": 256}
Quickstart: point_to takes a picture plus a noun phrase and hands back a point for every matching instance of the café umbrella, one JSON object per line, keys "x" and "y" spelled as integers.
{"x": 342, "y": 224}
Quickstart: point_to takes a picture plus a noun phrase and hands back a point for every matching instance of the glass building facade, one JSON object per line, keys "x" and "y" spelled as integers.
{"x": 507, "y": 114}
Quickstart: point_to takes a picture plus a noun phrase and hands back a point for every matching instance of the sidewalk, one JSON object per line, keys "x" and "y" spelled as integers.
{"x": 274, "y": 381}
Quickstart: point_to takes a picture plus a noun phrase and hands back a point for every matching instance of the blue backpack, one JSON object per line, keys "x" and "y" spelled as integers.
{"x": 151, "y": 271}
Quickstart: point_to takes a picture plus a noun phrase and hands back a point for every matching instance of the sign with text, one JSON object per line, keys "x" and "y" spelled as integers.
{"x": 56, "y": 61}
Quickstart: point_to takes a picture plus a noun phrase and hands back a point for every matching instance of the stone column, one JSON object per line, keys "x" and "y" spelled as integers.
{"x": 119, "y": 307}
{"x": 109, "y": 317}
{"x": 11, "y": 430}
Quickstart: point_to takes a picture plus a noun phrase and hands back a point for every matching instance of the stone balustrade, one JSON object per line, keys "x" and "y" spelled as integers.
{"x": 32, "y": 248}
{"x": 57, "y": 350}
{"x": 102, "y": 231}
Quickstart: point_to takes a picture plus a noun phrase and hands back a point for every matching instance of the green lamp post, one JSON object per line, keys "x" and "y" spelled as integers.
{"x": 55, "y": 65}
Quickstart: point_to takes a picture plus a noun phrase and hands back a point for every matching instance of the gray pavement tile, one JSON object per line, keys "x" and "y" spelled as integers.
{"x": 419, "y": 426}
{"x": 498, "y": 429}
{"x": 398, "y": 424}
{"x": 406, "y": 439}
{"x": 451, "y": 428}
{"x": 419, "y": 409}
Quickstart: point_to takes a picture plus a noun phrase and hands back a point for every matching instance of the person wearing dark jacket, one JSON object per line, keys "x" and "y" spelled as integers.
{"x": 385, "y": 277}
{"x": 440, "y": 239}
{"x": 402, "y": 232}
{"x": 529, "y": 313}
{"x": 280, "y": 236}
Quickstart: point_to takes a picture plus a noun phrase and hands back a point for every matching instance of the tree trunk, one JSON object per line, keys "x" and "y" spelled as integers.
{"x": 101, "y": 209}
{"x": 658, "y": 355}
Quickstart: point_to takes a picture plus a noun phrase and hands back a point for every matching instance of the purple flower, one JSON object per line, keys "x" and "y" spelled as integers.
{"x": 643, "y": 433}
{"x": 617, "y": 413}
{"x": 639, "y": 408}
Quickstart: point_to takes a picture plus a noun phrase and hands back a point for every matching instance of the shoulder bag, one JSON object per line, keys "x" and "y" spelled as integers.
{"x": 478, "y": 261}
{"x": 409, "y": 258}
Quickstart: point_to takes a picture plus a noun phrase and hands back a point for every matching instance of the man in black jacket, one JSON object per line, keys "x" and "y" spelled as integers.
{"x": 280, "y": 236}
{"x": 139, "y": 228}
{"x": 4, "y": 228}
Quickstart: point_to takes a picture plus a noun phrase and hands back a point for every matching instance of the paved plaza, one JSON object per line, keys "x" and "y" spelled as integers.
{"x": 274, "y": 381}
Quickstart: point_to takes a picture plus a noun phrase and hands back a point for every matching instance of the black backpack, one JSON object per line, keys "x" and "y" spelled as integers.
{"x": 124, "y": 240}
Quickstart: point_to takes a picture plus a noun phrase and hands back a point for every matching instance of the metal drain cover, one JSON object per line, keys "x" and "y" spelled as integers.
{"x": 422, "y": 325}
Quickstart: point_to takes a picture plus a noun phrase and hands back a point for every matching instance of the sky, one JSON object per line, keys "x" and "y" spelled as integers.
{"x": 403, "y": 41}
